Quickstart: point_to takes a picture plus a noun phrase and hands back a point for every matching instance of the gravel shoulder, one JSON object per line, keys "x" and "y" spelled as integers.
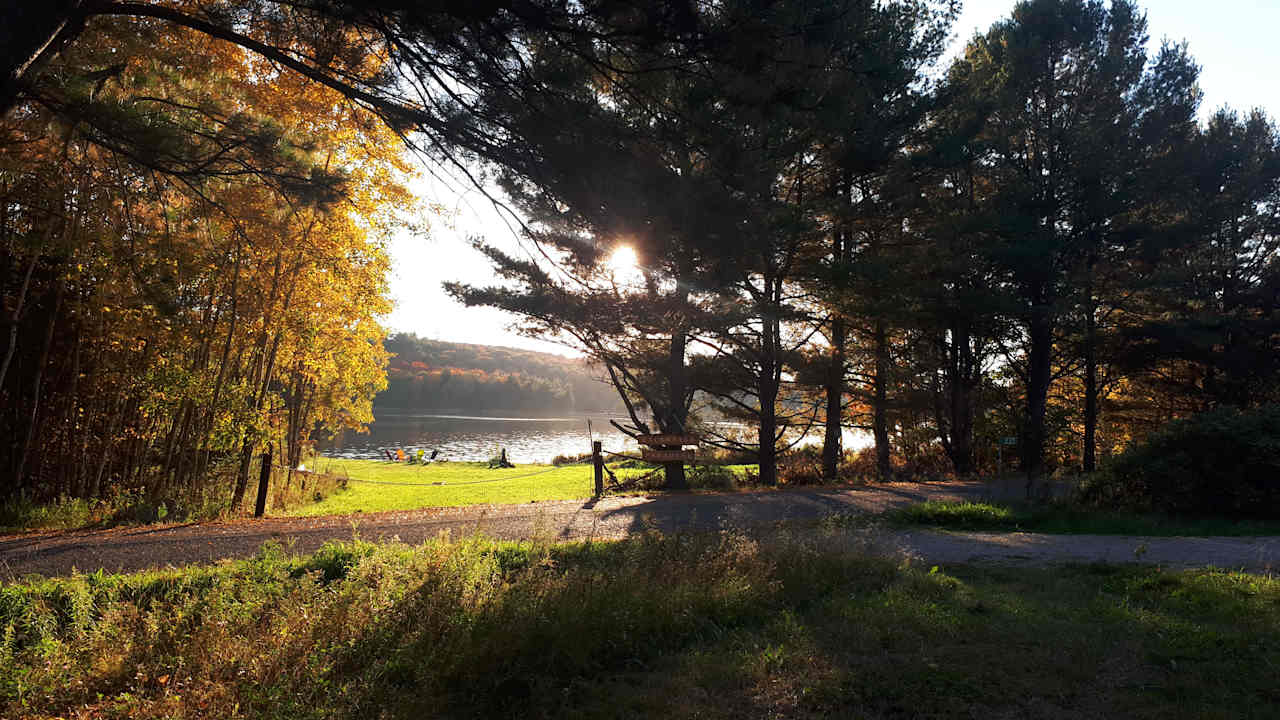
{"x": 138, "y": 548}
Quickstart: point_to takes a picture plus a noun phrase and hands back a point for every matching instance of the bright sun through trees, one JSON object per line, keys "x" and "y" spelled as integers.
{"x": 624, "y": 266}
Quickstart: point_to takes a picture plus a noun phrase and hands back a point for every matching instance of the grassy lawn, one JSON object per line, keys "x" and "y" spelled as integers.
{"x": 1068, "y": 520}
{"x": 459, "y": 484}
{"x": 713, "y": 626}
{"x": 397, "y": 486}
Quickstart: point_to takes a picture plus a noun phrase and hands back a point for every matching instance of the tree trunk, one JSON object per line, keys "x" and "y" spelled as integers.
{"x": 242, "y": 475}
{"x": 264, "y": 482}
{"x": 770, "y": 380}
{"x": 1090, "y": 393}
{"x": 673, "y": 417}
{"x": 963, "y": 382}
{"x": 71, "y": 454}
{"x": 962, "y": 430}
{"x": 832, "y": 442}
{"x": 15, "y": 318}
{"x": 768, "y": 392}
{"x": 768, "y": 454}
{"x": 1039, "y": 359}
{"x": 880, "y": 414}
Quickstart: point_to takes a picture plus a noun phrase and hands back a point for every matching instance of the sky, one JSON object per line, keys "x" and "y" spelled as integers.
{"x": 1233, "y": 40}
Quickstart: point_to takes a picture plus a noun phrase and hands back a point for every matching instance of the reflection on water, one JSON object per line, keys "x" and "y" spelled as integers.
{"x": 478, "y": 438}
{"x": 527, "y": 439}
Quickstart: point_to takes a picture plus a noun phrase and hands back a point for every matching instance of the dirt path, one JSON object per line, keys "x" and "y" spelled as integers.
{"x": 126, "y": 549}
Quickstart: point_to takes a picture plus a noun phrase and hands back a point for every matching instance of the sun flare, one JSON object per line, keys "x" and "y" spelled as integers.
{"x": 623, "y": 261}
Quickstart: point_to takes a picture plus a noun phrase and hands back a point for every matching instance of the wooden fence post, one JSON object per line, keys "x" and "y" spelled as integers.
{"x": 264, "y": 479}
{"x": 598, "y": 461}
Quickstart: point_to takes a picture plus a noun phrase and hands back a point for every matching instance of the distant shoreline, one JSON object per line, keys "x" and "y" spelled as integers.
{"x": 466, "y": 414}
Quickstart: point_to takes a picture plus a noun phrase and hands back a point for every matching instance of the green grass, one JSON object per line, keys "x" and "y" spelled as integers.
{"x": 397, "y": 486}
{"x": 123, "y": 508}
{"x": 61, "y": 514}
{"x": 411, "y": 486}
{"x": 714, "y": 626}
{"x": 1069, "y": 520}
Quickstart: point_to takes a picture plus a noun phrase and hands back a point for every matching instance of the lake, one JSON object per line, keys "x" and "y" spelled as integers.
{"x": 475, "y": 437}
{"x": 478, "y": 437}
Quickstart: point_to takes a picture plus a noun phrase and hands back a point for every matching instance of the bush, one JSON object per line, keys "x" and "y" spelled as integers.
{"x": 570, "y": 459}
{"x": 801, "y": 466}
{"x": 711, "y": 477}
{"x": 1223, "y": 462}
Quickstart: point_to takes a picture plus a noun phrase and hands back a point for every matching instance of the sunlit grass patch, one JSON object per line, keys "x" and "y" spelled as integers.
{"x": 1069, "y": 520}
{"x": 959, "y": 515}
{"x": 377, "y": 486}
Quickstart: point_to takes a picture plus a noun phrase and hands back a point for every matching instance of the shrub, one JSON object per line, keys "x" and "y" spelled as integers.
{"x": 570, "y": 459}
{"x": 1223, "y": 462}
{"x": 711, "y": 477}
{"x": 800, "y": 466}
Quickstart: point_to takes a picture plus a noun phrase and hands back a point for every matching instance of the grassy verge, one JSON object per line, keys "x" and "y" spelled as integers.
{"x": 1069, "y": 520}
{"x": 126, "y": 508}
{"x": 376, "y": 486}
{"x": 709, "y": 626}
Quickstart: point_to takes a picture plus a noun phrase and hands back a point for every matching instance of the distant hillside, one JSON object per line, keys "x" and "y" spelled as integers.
{"x": 434, "y": 375}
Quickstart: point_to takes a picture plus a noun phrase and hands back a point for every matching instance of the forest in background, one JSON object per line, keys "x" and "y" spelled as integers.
{"x": 426, "y": 374}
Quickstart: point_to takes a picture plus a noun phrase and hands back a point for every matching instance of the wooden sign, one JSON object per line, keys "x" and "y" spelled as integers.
{"x": 668, "y": 439}
{"x": 666, "y": 456}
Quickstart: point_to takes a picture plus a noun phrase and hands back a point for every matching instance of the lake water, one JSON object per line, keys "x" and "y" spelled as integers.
{"x": 473, "y": 437}
{"x": 463, "y": 437}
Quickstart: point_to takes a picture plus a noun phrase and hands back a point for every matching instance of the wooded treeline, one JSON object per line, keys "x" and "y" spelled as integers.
{"x": 1041, "y": 240}
{"x": 1044, "y": 243}
{"x": 193, "y": 267}
{"x": 426, "y": 374}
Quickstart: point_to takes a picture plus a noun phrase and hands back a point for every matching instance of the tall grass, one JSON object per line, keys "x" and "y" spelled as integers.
{"x": 208, "y": 501}
{"x": 714, "y": 626}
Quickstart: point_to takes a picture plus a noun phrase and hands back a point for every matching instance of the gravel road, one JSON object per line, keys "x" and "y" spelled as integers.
{"x": 136, "y": 548}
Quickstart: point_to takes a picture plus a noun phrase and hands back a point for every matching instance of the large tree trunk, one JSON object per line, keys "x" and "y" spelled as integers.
{"x": 242, "y": 474}
{"x": 770, "y": 380}
{"x": 962, "y": 430}
{"x": 1039, "y": 359}
{"x": 768, "y": 430}
{"x": 676, "y": 414}
{"x": 832, "y": 442}
{"x": 1090, "y": 393}
{"x": 768, "y": 454}
{"x": 963, "y": 381}
{"x": 880, "y": 401}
